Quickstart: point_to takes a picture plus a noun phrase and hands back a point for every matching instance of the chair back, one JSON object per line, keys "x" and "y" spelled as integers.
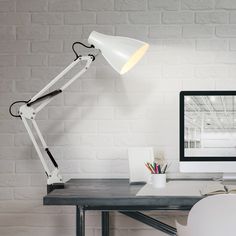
{"x": 211, "y": 216}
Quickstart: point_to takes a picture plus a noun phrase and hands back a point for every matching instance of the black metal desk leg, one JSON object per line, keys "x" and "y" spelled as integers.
{"x": 105, "y": 223}
{"x": 151, "y": 222}
{"x": 80, "y": 221}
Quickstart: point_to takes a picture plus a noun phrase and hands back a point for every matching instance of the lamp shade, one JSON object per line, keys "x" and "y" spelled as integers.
{"x": 122, "y": 53}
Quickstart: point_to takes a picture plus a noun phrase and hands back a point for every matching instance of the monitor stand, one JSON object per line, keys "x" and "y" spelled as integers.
{"x": 229, "y": 177}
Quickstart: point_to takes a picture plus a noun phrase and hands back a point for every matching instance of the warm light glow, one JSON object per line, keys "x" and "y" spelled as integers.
{"x": 134, "y": 59}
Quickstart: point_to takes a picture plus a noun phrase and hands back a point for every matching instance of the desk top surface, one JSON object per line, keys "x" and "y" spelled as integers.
{"x": 113, "y": 194}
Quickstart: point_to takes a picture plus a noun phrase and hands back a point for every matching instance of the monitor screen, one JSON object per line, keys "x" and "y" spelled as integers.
{"x": 208, "y": 125}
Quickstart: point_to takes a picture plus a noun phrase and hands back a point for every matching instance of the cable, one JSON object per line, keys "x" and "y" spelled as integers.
{"x": 73, "y": 48}
{"x": 10, "y": 108}
{"x": 57, "y": 91}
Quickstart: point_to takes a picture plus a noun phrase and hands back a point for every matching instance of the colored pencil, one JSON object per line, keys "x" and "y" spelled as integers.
{"x": 164, "y": 171}
{"x": 154, "y": 168}
{"x": 148, "y": 167}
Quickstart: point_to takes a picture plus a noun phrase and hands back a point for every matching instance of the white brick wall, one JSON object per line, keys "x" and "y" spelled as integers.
{"x": 92, "y": 124}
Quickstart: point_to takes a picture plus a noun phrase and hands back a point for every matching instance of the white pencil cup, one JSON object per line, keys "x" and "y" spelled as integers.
{"x": 158, "y": 180}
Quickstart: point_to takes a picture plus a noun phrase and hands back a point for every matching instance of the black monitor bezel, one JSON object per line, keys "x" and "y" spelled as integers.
{"x": 181, "y": 131}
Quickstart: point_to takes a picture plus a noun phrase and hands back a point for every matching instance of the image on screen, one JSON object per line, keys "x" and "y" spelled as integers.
{"x": 209, "y": 126}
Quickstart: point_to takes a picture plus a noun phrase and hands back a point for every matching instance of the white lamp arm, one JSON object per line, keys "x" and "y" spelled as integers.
{"x": 28, "y": 112}
{"x": 121, "y": 53}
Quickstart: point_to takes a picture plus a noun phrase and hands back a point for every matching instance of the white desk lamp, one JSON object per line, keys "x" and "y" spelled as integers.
{"x": 121, "y": 53}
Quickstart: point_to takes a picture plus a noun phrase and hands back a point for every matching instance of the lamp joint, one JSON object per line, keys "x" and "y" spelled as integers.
{"x": 92, "y": 56}
{"x": 27, "y": 112}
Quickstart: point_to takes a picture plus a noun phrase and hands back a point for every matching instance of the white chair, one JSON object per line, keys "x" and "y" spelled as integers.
{"x": 211, "y": 216}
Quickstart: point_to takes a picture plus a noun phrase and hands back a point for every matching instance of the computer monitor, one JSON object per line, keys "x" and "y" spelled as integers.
{"x": 208, "y": 132}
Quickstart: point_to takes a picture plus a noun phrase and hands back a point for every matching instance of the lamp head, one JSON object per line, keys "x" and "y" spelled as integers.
{"x": 122, "y": 53}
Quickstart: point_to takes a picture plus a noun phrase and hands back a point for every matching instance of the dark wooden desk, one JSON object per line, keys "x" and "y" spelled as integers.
{"x": 115, "y": 195}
